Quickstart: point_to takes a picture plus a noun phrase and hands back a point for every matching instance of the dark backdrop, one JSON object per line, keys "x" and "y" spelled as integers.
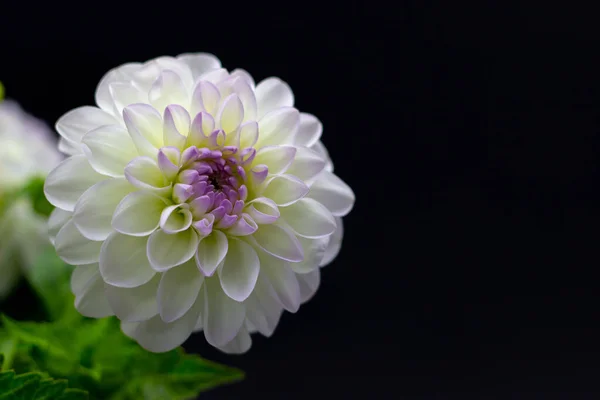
{"x": 469, "y": 133}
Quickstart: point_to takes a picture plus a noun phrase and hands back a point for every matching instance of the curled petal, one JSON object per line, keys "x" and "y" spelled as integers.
{"x": 125, "y": 94}
{"x": 248, "y": 134}
{"x": 175, "y": 219}
{"x": 309, "y": 130}
{"x": 168, "y": 162}
{"x": 205, "y": 225}
{"x": 263, "y": 210}
{"x": 76, "y": 123}
{"x": 230, "y": 114}
{"x": 103, "y": 96}
{"x": 176, "y": 126}
{"x": 278, "y": 127}
{"x": 168, "y": 89}
{"x": 143, "y": 173}
{"x": 201, "y": 128}
{"x": 307, "y": 165}
{"x": 144, "y": 125}
{"x": 244, "y": 226}
{"x": 205, "y": 98}
{"x": 314, "y": 251}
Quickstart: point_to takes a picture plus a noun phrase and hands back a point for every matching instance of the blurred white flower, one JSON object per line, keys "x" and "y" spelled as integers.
{"x": 27, "y": 151}
{"x": 194, "y": 200}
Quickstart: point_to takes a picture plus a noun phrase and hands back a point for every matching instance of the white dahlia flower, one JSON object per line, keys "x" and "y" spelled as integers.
{"x": 194, "y": 200}
{"x": 27, "y": 151}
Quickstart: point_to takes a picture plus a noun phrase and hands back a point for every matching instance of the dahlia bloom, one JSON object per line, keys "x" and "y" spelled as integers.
{"x": 193, "y": 200}
{"x": 27, "y": 150}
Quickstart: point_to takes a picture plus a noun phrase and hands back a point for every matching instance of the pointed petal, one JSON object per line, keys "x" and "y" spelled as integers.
{"x": 278, "y": 127}
{"x": 248, "y": 134}
{"x": 157, "y": 336}
{"x": 134, "y": 304}
{"x": 143, "y": 173}
{"x": 144, "y": 125}
{"x": 168, "y": 89}
{"x": 314, "y": 251}
{"x": 205, "y": 98}
{"x": 67, "y": 182}
{"x": 176, "y": 126}
{"x": 103, "y": 96}
{"x": 333, "y": 193}
{"x": 222, "y": 316}
{"x": 271, "y": 94}
{"x": 166, "y": 251}
{"x": 175, "y": 219}
{"x": 94, "y": 210}
{"x": 309, "y": 218}
{"x": 76, "y": 123}
{"x": 109, "y": 149}
{"x": 309, "y": 283}
{"x": 230, "y": 114}
{"x": 282, "y": 279}
{"x": 285, "y": 190}
{"x": 88, "y": 287}
{"x": 74, "y": 248}
{"x": 125, "y": 94}
{"x": 58, "y": 218}
{"x": 240, "y": 344}
{"x": 178, "y": 290}
{"x": 307, "y": 165}
{"x": 263, "y": 210}
{"x": 309, "y": 130}
{"x": 138, "y": 214}
{"x": 200, "y": 63}
{"x": 211, "y": 252}
{"x": 280, "y": 242}
{"x": 334, "y": 244}
{"x": 277, "y": 157}
{"x": 263, "y": 308}
{"x": 240, "y": 270}
{"x": 123, "y": 261}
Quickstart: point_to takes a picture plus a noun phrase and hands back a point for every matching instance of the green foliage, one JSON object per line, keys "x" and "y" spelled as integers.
{"x": 93, "y": 355}
{"x": 1, "y": 91}
{"x": 34, "y": 190}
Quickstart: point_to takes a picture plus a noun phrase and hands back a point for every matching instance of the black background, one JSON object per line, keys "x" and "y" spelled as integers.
{"x": 469, "y": 133}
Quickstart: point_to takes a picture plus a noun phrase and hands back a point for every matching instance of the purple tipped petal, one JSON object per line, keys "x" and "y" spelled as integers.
{"x": 227, "y": 221}
{"x": 227, "y": 205}
{"x": 168, "y": 160}
{"x": 238, "y": 207}
{"x": 218, "y": 212}
{"x": 216, "y": 139}
{"x": 244, "y": 226}
{"x": 182, "y": 192}
{"x": 259, "y": 173}
{"x": 243, "y": 192}
{"x": 189, "y": 176}
{"x": 200, "y": 205}
{"x": 189, "y": 155}
{"x": 202, "y": 125}
{"x": 205, "y": 225}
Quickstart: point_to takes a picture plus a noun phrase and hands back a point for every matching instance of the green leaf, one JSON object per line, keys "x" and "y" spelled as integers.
{"x": 33, "y": 386}
{"x": 34, "y": 190}
{"x": 1, "y": 91}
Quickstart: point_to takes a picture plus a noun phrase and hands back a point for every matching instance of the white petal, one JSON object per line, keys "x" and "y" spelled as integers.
{"x": 333, "y": 193}
{"x": 103, "y": 96}
{"x": 176, "y": 126}
{"x": 263, "y": 210}
{"x": 88, "y": 287}
{"x": 240, "y": 344}
{"x": 309, "y": 131}
{"x": 278, "y": 158}
{"x": 125, "y": 94}
{"x": 178, "y": 290}
{"x": 278, "y": 127}
{"x": 177, "y": 66}
{"x": 157, "y": 336}
{"x": 211, "y": 252}
{"x": 123, "y": 261}
{"x": 168, "y": 89}
{"x": 271, "y": 94}
{"x": 222, "y": 316}
{"x": 307, "y": 165}
{"x": 175, "y": 219}
{"x": 205, "y": 98}
{"x": 248, "y": 134}
{"x": 314, "y": 251}
{"x": 230, "y": 114}
{"x": 263, "y": 308}
{"x": 166, "y": 251}
{"x": 74, "y": 248}
{"x": 138, "y": 214}
{"x": 285, "y": 189}
{"x": 240, "y": 270}
{"x": 68, "y": 147}
{"x": 58, "y": 218}
{"x": 334, "y": 245}
{"x": 214, "y": 76}
{"x": 109, "y": 148}
{"x": 199, "y": 63}
{"x": 94, "y": 210}
{"x": 309, "y": 218}
{"x": 67, "y": 182}
{"x": 279, "y": 241}
{"x": 134, "y": 304}
{"x": 144, "y": 173}
{"x": 145, "y": 126}
{"x": 320, "y": 149}
{"x": 244, "y": 75}
{"x": 76, "y": 123}
{"x": 244, "y": 90}
{"x": 282, "y": 279}
{"x": 309, "y": 283}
